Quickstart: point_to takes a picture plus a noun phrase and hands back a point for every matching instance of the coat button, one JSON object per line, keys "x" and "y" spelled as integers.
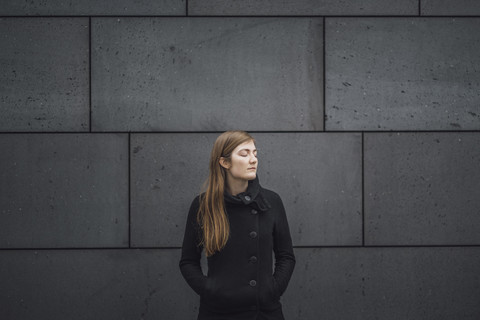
{"x": 253, "y": 259}
{"x": 247, "y": 198}
{"x": 253, "y": 283}
{"x": 254, "y": 211}
{"x": 253, "y": 234}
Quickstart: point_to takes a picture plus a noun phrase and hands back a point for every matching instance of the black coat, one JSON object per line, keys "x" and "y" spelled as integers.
{"x": 240, "y": 283}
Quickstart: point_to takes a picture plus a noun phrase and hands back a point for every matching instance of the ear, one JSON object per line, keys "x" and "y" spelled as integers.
{"x": 224, "y": 163}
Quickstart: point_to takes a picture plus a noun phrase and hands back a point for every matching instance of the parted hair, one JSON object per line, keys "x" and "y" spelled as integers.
{"x": 211, "y": 214}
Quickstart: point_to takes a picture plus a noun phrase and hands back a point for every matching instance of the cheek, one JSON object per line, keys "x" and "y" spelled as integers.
{"x": 240, "y": 164}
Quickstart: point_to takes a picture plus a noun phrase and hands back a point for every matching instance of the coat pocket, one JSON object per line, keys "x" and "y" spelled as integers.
{"x": 207, "y": 287}
{"x": 223, "y": 295}
{"x": 276, "y": 292}
{"x": 269, "y": 297}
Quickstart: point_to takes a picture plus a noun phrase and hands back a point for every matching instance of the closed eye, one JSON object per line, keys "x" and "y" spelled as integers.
{"x": 245, "y": 152}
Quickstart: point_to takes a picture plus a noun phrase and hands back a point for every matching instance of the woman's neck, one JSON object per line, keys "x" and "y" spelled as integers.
{"x": 236, "y": 186}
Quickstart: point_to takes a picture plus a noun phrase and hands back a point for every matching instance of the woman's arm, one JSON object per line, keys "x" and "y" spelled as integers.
{"x": 191, "y": 252}
{"x": 283, "y": 249}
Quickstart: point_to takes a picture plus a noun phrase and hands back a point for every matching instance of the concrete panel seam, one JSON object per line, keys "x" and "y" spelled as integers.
{"x": 135, "y": 248}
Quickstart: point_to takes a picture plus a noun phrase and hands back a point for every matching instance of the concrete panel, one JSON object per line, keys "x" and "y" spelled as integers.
{"x": 44, "y": 83}
{"x": 317, "y": 175}
{"x": 302, "y": 7}
{"x": 94, "y": 284}
{"x": 63, "y": 190}
{"x": 328, "y": 283}
{"x": 450, "y": 7}
{"x": 200, "y": 74}
{"x": 167, "y": 172}
{"x": 385, "y": 284}
{"x": 422, "y": 188}
{"x": 402, "y": 74}
{"x": 92, "y": 7}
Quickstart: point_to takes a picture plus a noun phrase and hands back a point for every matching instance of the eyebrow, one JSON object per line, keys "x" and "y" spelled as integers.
{"x": 246, "y": 149}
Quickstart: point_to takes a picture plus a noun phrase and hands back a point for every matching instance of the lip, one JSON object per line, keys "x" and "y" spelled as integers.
{"x": 253, "y": 168}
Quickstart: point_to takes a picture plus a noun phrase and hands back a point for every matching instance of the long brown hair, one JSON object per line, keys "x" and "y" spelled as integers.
{"x": 211, "y": 214}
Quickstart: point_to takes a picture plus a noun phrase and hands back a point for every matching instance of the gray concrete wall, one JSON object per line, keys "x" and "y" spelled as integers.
{"x": 367, "y": 121}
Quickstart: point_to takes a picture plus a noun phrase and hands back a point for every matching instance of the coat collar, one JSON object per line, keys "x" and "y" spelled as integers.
{"x": 253, "y": 195}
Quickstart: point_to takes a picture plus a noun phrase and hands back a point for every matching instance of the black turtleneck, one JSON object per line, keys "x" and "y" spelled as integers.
{"x": 251, "y": 195}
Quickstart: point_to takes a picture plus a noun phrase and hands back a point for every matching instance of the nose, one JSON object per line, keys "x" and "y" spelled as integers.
{"x": 253, "y": 159}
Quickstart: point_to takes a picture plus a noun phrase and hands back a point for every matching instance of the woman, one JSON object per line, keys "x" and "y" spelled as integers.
{"x": 238, "y": 224}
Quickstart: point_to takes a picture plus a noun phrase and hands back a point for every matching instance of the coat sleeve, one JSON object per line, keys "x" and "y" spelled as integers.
{"x": 191, "y": 252}
{"x": 283, "y": 249}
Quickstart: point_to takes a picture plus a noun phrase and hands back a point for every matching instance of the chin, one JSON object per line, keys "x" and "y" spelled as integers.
{"x": 251, "y": 176}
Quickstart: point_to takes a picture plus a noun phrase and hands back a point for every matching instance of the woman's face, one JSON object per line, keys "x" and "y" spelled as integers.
{"x": 243, "y": 162}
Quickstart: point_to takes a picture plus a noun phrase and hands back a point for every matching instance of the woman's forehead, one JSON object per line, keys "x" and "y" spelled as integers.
{"x": 249, "y": 145}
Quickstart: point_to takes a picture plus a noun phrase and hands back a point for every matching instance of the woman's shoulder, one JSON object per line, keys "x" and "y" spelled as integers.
{"x": 270, "y": 195}
{"x": 196, "y": 201}
{"x": 195, "y": 205}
